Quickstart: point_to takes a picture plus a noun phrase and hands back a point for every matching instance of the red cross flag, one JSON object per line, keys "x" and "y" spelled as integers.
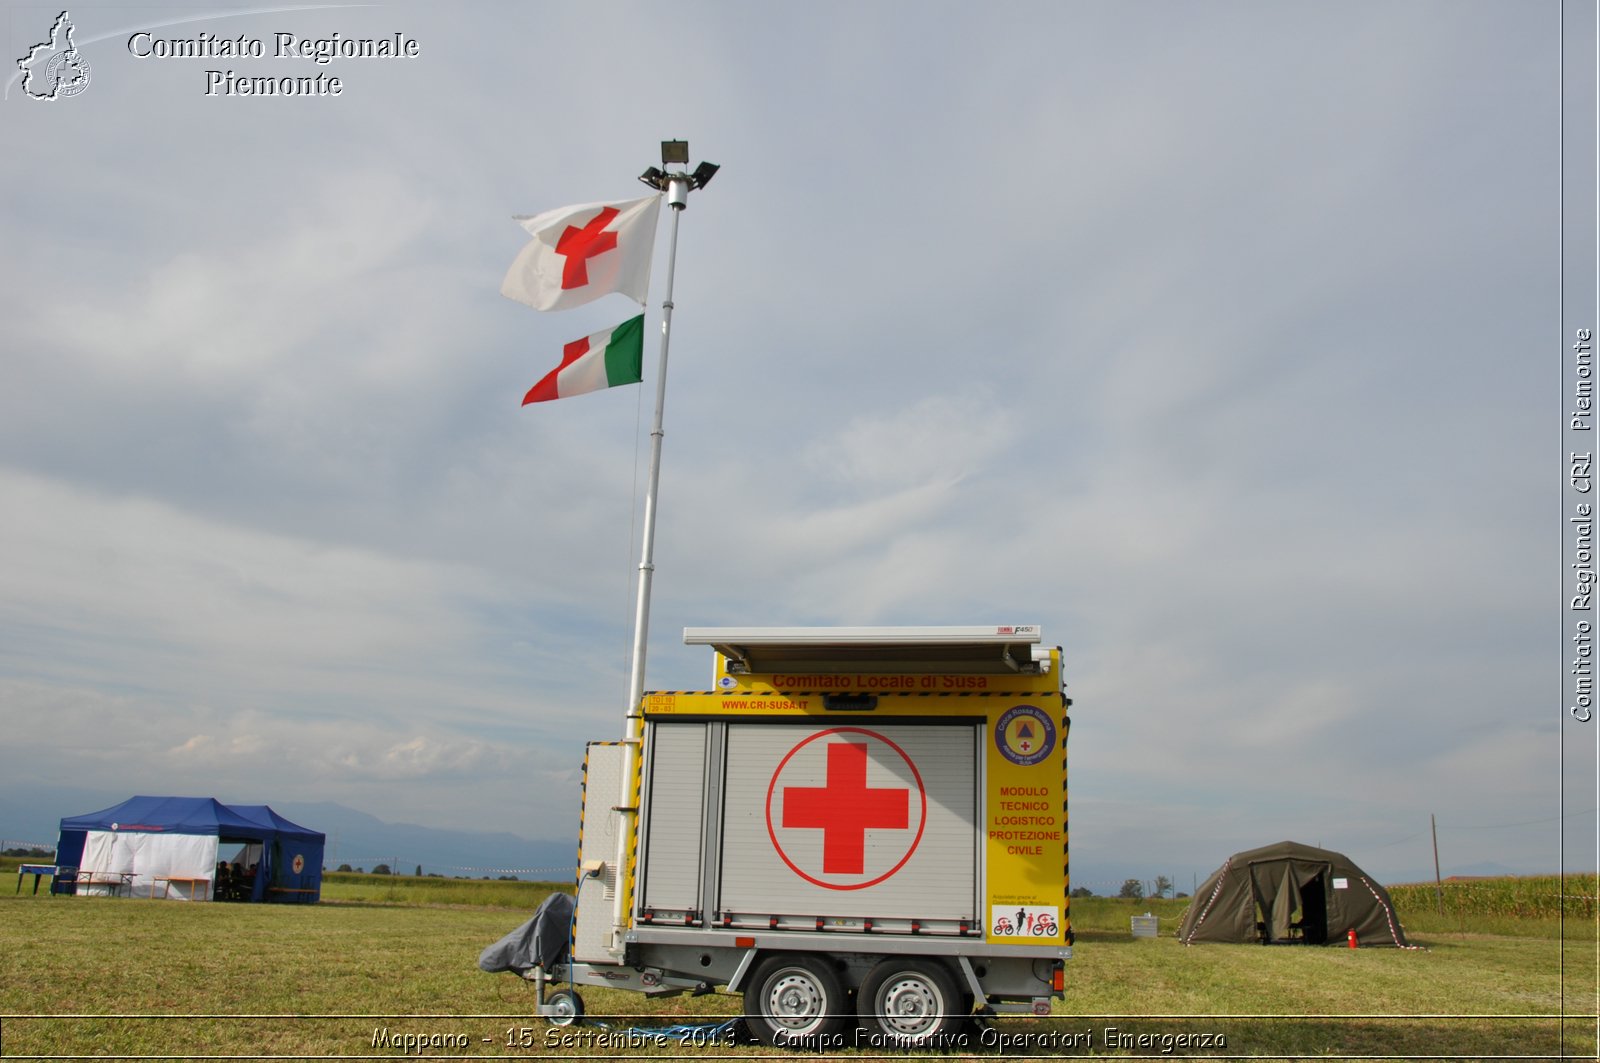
{"x": 580, "y": 253}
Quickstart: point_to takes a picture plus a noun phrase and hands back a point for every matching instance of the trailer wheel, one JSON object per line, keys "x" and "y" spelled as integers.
{"x": 912, "y": 1003}
{"x": 795, "y": 1001}
{"x": 566, "y": 1008}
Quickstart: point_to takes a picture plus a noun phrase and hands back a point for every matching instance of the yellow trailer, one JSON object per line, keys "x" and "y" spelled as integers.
{"x": 852, "y": 824}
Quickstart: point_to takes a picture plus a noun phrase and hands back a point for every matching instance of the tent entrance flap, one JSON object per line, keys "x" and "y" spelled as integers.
{"x": 1291, "y": 901}
{"x": 1314, "y": 911}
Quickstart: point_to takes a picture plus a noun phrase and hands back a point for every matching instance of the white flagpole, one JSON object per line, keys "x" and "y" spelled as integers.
{"x": 647, "y": 566}
{"x": 677, "y": 186}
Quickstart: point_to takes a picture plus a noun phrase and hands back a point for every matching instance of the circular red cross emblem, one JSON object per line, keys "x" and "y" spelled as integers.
{"x": 844, "y": 782}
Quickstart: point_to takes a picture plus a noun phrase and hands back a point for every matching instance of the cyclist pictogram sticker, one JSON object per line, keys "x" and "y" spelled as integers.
{"x": 846, "y": 808}
{"x": 1026, "y": 920}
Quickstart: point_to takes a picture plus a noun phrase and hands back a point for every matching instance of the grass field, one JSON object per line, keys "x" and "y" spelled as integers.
{"x": 383, "y": 958}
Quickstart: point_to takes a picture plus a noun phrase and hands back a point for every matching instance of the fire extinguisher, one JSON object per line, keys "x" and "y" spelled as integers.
{"x": 1352, "y": 937}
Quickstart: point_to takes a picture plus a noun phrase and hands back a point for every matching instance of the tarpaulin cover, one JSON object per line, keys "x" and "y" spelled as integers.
{"x": 1291, "y": 892}
{"x": 540, "y": 942}
{"x": 145, "y": 858}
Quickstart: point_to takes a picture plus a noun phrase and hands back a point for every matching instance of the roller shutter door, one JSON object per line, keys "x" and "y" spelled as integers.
{"x": 872, "y": 820}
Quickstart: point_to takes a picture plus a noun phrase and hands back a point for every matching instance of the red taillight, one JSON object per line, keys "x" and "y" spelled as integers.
{"x": 1058, "y": 979}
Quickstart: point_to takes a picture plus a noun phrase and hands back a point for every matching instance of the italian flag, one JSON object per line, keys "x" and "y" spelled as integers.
{"x": 604, "y": 360}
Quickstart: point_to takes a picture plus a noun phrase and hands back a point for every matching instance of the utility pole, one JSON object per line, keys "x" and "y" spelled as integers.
{"x": 1438, "y": 883}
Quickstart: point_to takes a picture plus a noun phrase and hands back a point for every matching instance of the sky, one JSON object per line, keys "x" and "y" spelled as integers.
{"x": 1222, "y": 340}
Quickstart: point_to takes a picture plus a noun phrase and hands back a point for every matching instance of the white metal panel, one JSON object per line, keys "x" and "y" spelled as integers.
{"x": 675, "y": 784}
{"x": 999, "y": 650}
{"x": 814, "y": 830}
{"x": 600, "y": 822}
{"x": 874, "y": 636}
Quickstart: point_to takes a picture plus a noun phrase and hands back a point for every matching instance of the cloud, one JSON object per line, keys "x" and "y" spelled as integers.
{"x": 1200, "y": 340}
{"x": 184, "y": 649}
{"x": 135, "y": 575}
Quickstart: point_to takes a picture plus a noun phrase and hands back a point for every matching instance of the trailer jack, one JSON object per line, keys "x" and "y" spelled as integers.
{"x": 564, "y": 1007}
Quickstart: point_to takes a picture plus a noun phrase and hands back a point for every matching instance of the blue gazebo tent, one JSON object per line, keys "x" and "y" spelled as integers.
{"x": 170, "y": 847}
{"x": 294, "y": 855}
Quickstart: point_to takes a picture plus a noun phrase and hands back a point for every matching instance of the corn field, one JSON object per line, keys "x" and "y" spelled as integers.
{"x": 1532, "y": 897}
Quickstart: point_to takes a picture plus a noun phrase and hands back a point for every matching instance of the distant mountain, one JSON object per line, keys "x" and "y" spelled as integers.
{"x": 362, "y": 840}
{"x": 32, "y": 816}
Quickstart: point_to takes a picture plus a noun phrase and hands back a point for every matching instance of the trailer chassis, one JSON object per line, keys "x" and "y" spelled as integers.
{"x": 903, "y": 978}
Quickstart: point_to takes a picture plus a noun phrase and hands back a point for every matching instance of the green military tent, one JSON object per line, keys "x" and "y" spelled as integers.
{"x": 1291, "y": 893}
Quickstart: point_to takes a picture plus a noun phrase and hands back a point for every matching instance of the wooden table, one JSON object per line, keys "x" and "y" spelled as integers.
{"x": 286, "y": 889}
{"x": 195, "y": 885}
{"x": 117, "y": 880}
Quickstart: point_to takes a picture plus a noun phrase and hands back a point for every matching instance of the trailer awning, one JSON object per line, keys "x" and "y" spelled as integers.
{"x": 999, "y": 650}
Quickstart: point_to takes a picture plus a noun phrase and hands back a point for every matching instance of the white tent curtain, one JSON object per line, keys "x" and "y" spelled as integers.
{"x": 148, "y": 857}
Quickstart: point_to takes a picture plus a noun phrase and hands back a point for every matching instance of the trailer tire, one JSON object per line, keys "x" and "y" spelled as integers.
{"x": 796, "y": 1001}
{"x": 566, "y": 1008}
{"x": 912, "y": 1004}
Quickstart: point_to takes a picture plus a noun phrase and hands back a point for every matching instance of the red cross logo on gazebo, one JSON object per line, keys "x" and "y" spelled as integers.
{"x": 841, "y": 783}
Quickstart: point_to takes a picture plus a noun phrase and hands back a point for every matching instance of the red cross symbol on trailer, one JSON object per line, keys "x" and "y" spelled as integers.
{"x": 846, "y": 808}
{"x": 580, "y": 245}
